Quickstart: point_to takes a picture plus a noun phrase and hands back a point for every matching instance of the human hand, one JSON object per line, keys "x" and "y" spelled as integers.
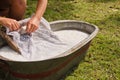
{"x": 12, "y": 24}
{"x": 32, "y": 24}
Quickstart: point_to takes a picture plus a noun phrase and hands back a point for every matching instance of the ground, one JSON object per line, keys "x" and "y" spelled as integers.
{"x": 102, "y": 61}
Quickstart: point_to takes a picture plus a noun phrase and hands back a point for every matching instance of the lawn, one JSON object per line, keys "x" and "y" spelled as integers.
{"x": 102, "y": 61}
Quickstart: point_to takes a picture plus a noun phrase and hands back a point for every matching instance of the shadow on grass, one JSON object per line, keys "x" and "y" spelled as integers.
{"x": 105, "y": 1}
{"x": 75, "y": 65}
{"x": 71, "y": 70}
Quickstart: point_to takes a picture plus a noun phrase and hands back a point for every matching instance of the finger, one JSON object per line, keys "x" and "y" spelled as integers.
{"x": 10, "y": 28}
{"x": 31, "y": 28}
{"x": 35, "y": 28}
{"x": 13, "y": 26}
{"x": 17, "y": 26}
{"x": 28, "y": 28}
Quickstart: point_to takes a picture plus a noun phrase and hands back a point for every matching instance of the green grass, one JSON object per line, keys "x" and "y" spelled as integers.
{"x": 102, "y": 61}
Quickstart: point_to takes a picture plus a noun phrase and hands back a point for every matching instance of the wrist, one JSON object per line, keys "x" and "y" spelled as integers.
{"x": 38, "y": 17}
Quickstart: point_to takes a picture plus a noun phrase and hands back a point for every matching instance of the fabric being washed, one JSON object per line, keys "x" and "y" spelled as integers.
{"x": 42, "y": 40}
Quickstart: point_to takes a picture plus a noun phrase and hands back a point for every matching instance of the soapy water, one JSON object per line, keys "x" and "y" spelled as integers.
{"x": 42, "y": 44}
{"x": 69, "y": 37}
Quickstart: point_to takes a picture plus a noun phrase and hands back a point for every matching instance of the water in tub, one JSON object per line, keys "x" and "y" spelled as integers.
{"x": 47, "y": 44}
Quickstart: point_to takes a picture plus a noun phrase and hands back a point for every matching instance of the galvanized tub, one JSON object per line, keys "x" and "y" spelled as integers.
{"x": 55, "y": 68}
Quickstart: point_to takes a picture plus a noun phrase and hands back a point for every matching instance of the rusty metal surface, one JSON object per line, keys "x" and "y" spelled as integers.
{"x": 53, "y": 69}
{"x": 46, "y": 70}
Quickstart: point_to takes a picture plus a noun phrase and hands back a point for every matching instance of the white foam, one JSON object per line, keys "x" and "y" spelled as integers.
{"x": 69, "y": 37}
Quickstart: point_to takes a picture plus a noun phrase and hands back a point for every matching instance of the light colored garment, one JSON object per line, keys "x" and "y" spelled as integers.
{"x": 42, "y": 40}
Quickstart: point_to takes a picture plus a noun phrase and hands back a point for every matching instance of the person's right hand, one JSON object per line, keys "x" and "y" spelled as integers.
{"x": 12, "y": 24}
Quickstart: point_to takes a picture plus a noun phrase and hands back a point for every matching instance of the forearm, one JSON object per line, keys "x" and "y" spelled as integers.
{"x": 12, "y": 24}
{"x": 34, "y": 22}
{"x": 41, "y": 7}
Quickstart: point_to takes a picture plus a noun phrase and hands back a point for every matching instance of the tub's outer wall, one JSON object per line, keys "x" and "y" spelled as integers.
{"x": 50, "y": 69}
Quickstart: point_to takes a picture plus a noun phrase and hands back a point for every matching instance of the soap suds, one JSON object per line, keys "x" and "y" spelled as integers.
{"x": 68, "y": 37}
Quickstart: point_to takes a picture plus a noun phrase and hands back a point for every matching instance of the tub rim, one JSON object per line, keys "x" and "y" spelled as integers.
{"x": 74, "y": 48}
{"x": 80, "y": 44}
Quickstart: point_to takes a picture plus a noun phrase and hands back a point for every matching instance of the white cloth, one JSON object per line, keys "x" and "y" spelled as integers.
{"x": 42, "y": 40}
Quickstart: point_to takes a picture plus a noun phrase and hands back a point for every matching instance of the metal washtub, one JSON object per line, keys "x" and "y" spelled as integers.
{"x": 55, "y": 68}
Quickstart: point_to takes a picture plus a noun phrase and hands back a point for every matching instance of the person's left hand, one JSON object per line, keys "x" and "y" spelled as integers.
{"x": 32, "y": 24}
